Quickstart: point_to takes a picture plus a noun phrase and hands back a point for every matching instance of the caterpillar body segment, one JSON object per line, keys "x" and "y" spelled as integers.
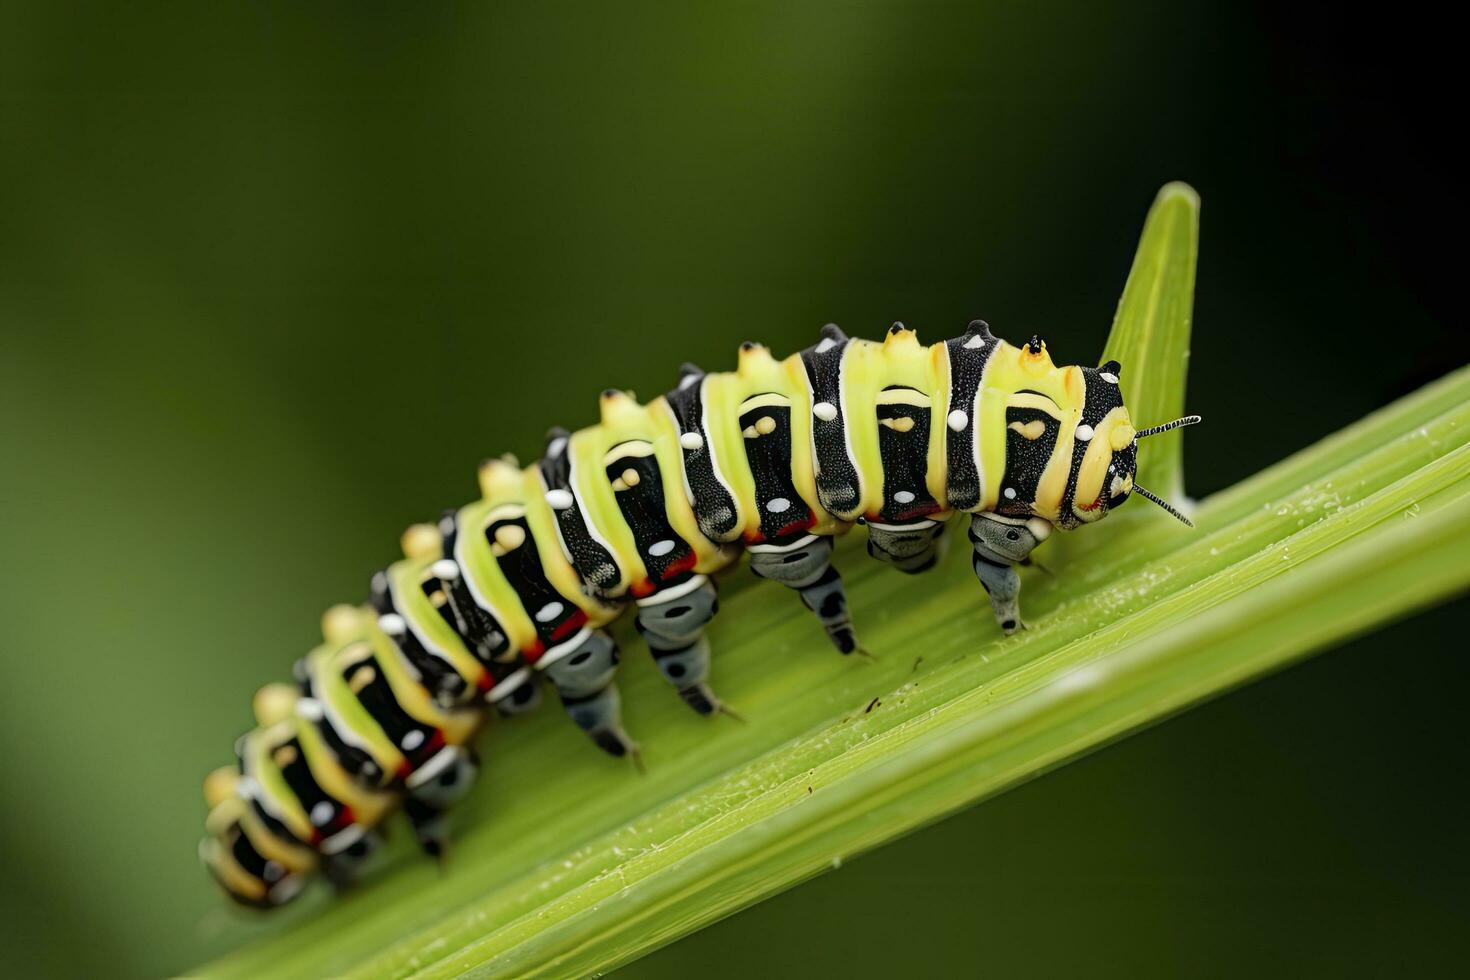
{"x": 642, "y": 510}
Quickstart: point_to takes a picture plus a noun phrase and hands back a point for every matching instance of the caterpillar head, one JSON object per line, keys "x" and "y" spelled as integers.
{"x": 1105, "y": 452}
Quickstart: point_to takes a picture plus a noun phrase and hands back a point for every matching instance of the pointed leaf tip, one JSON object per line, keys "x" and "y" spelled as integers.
{"x": 1150, "y": 335}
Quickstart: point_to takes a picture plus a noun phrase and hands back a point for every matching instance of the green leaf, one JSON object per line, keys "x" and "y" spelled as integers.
{"x": 569, "y": 864}
{"x": 1150, "y": 335}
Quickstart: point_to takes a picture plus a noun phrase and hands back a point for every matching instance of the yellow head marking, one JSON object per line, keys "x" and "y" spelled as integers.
{"x": 904, "y": 423}
{"x": 1093, "y": 472}
{"x": 1121, "y": 436}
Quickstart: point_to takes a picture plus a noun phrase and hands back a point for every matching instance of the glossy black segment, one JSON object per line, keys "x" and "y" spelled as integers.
{"x": 1026, "y": 458}
{"x": 593, "y": 562}
{"x": 475, "y": 625}
{"x": 714, "y": 508}
{"x": 838, "y": 486}
{"x": 555, "y": 618}
{"x": 903, "y": 445}
{"x": 437, "y": 675}
{"x": 766, "y": 432}
{"x": 365, "y": 677}
{"x": 638, "y": 487}
{"x": 968, "y": 355}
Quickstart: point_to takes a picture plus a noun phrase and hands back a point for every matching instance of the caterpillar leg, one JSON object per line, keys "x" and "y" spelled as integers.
{"x": 1002, "y": 543}
{"x": 806, "y": 566}
{"x": 343, "y": 867}
{"x": 584, "y": 679}
{"x": 673, "y": 627}
{"x": 432, "y": 790}
{"x": 910, "y": 548}
{"x": 522, "y": 693}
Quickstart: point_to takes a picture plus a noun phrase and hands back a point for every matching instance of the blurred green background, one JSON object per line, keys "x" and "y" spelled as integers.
{"x": 274, "y": 278}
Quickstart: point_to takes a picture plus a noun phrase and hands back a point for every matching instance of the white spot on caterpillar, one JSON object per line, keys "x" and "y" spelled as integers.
{"x": 958, "y": 420}
{"x": 975, "y": 343}
{"x": 903, "y": 497}
{"x": 559, "y": 499}
{"x": 556, "y": 446}
{"x": 1084, "y": 433}
{"x": 412, "y": 740}
{"x": 321, "y": 814}
{"x": 446, "y": 569}
{"x": 778, "y": 505}
{"x": 827, "y": 344}
{"x": 688, "y": 380}
{"x": 825, "y": 411}
{"x": 548, "y": 612}
{"x": 392, "y": 624}
{"x": 692, "y": 441}
{"x": 1010, "y": 493}
{"x": 660, "y": 548}
{"x": 310, "y": 709}
{"x": 1109, "y": 377}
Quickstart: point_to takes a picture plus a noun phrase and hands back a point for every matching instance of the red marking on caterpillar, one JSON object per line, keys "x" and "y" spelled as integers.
{"x": 573, "y": 623}
{"x": 678, "y": 567}
{"x": 809, "y": 521}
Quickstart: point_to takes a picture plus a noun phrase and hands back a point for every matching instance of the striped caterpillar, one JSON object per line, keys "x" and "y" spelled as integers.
{"x": 773, "y": 459}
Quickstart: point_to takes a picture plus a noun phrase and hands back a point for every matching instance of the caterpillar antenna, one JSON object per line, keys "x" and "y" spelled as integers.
{"x": 1170, "y": 508}
{"x": 1177, "y": 423}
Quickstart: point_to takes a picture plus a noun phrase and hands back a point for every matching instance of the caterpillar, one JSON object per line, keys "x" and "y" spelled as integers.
{"x": 642, "y": 509}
